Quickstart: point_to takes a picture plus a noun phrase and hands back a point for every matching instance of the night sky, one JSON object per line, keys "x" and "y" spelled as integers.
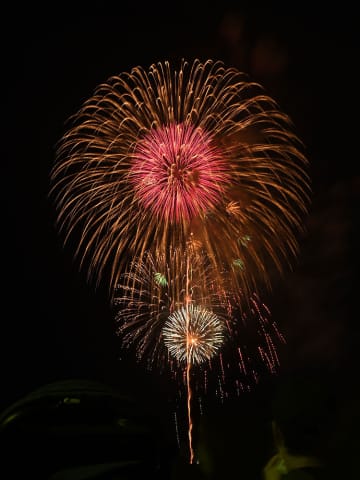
{"x": 56, "y": 326}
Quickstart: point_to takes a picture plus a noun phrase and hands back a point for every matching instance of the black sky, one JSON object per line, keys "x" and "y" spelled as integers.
{"x": 56, "y": 326}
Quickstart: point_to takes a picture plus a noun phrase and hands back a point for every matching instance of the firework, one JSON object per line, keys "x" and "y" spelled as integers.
{"x": 193, "y": 334}
{"x": 157, "y": 288}
{"x": 185, "y": 188}
{"x": 159, "y": 157}
{"x": 183, "y": 312}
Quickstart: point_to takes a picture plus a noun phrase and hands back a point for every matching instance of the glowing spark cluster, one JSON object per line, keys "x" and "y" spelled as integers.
{"x": 178, "y": 172}
{"x": 193, "y": 334}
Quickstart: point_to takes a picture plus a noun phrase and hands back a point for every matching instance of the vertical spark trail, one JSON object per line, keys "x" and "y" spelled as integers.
{"x": 188, "y": 362}
{"x": 189, "y": 411}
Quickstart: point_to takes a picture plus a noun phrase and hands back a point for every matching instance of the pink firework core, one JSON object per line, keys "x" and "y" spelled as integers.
{"x": 178, "y": 172}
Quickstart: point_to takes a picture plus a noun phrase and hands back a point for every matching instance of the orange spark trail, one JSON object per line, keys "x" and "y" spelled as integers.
{"x": 188, "y": 363}
{"x": 189, "y": 411}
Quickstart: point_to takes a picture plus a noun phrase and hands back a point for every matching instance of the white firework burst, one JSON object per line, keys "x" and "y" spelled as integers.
{"x": 193, "y": 334}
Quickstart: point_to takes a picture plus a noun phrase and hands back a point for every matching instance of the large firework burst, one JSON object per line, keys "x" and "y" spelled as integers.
{"x": 158, "y": 157}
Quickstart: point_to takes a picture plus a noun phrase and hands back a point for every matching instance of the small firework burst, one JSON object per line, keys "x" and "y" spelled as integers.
{"x": 193, "y": 334}
{"x": 157, "y": 286}
{"x": 163, "y": 308}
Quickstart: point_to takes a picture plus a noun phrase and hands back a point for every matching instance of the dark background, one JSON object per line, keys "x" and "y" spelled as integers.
{"x": 54, "y": 325}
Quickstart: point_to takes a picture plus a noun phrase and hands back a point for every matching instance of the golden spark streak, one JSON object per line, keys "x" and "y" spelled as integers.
{"x": 188, "y": 363}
